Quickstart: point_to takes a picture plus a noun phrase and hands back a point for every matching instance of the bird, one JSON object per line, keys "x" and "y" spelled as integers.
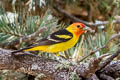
{"x": 58, "y": 41}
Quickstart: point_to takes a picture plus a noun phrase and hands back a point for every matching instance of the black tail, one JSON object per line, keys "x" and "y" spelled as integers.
{"x": 20, "y": 50}
{"x": 16, "y": 51}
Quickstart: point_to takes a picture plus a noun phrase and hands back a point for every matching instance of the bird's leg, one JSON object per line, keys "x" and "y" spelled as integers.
{"x": 63, "y": 56}
{"x": 60, "y": 56}
{"x": 66, "y": 54}
{"x": 57, "y": 54}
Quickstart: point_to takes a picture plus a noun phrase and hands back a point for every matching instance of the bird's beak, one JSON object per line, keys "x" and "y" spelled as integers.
{"x": 88, "y": 29}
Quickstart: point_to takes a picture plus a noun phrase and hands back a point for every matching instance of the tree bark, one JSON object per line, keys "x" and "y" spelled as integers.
{"x": 33, "y": 64}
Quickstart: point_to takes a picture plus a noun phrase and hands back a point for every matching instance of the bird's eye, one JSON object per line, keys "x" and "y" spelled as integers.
{"x": 78, "y": 26}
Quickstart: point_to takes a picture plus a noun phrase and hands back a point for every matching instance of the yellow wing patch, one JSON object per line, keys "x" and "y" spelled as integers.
{"x": 63, "y": 36}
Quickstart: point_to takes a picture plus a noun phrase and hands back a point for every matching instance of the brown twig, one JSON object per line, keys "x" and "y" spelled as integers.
{"x": 106, "y": 77}
{"x": 107, "y": 61}
{"x": 111, "y": 68}
{"x": 75, "y": 19}
{"x": 94, "y": 65}
{"x": 103, "y": 67}
{"x": 104, "y": 46}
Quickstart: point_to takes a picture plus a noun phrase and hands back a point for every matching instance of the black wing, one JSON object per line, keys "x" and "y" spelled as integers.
{"x": 56, "y": 37}
{"x": 61, "y": 35}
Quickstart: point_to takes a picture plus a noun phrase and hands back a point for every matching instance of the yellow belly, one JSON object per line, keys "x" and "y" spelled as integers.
{"x": 56, "y": 47}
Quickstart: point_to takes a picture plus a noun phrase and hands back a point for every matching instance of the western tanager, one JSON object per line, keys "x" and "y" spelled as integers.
{"x": 58, "y": 41}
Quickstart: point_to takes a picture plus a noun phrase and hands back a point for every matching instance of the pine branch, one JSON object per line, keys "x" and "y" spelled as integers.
{"x": 33, "y": 24}
{"x": 25, "y": 38}
{"x": 17, "y": 35}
